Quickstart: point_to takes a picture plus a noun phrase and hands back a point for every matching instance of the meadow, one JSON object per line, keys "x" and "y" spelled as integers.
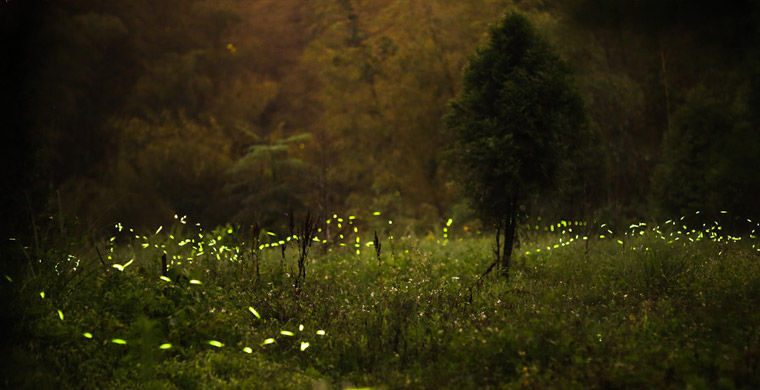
{"x": 587, "y": 305}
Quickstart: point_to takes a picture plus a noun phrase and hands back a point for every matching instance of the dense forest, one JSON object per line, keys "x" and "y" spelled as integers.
{"x": 235, "y": 111}
{"x": 304, "y": 194}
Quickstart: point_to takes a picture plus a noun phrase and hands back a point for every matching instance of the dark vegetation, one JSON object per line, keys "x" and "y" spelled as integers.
{"x": 235, "y": 111}
{"x": 295, "y": 130}
{"x": 646, "y": 306}
{"x": 517, "y": 120}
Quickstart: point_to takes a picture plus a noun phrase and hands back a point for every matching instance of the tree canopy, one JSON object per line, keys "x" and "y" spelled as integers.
{"x": 135, "y": 110}
{"x": 517, "y": 119}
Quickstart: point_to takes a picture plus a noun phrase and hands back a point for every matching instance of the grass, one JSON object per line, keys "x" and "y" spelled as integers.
{"x": 642, "y": 307}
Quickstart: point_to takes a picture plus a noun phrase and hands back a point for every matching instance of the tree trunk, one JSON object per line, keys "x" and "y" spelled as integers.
{"x": 509, "y": 228}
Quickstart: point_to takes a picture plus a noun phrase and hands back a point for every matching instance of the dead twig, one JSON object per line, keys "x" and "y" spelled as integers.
{"x": 105, "y": 267}
{"x": 378, "y": 248}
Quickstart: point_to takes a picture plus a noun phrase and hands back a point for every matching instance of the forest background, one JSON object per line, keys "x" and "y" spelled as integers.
{"x": 238, "y": 111}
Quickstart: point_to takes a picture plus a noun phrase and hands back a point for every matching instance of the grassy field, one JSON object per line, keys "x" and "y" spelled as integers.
{"x": 644, "y": 306}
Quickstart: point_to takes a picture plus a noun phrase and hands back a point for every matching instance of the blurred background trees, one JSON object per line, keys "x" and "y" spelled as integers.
{"x": 134, "y": 111}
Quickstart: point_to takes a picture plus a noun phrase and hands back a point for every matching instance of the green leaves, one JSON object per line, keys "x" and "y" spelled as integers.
{"x": 269, "y": 176}
{"x": 514, "y": 121}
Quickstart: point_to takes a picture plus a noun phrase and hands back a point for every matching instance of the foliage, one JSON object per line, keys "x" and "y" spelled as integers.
{"x": 397, "y": 63}
{"x": 270, "y": 178}
{"x": 683, "y": 181}
{"x": 516, "y": 119}
{"x": 707, "y": 160}
{"x": 369, "y": 80}
{"x": 645, "y": 306}
{"x": 515, "y": 124}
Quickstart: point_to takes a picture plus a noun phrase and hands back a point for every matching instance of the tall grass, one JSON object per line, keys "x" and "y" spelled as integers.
{"x": 645, "y": 306}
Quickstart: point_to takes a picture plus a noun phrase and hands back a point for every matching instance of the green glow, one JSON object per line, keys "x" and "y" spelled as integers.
{"x": 247, "y": 350}
{"x": 119, "y": 341}
{"x": 321, "y": 332}
{"x": 165, "y": 346}
{"x": 42, "y": 294}
{"x": 286, "y": 333}
{"x": 87, "y": 335}
{"x": 215, "y": 343}
{"x": 195, "y": 281}
{"x": 252, "y": 310}
{"x": 304, "y": 345}
{"x": 60, "y": 315}
{"x": 268, "y": 341}
{"x": 165, "y": 279}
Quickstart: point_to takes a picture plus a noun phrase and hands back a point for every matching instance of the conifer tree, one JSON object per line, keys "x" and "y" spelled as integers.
{"x": 516, "y": 119}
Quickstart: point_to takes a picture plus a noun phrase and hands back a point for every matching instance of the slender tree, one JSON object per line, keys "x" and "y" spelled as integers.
{"x": 516, "y": 119}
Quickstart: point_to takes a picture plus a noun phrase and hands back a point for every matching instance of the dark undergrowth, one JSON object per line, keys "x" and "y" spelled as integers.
{"x": 636, "y": 310}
